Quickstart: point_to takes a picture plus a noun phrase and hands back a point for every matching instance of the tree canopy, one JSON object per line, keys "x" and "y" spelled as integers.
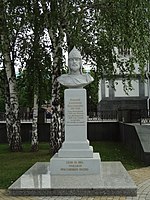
{"x": 35, "y": 34}
{"x": 96, "y": 27}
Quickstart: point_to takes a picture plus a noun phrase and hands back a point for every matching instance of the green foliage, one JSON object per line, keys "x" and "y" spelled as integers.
{"x": 100, "y": 28}
{"x": 35, "y": 76}
{"x": 115, "y": 151}
{"x": 26, "y": 82}
{"x": 25, "y": 93}
{"x": 92, "y": 92}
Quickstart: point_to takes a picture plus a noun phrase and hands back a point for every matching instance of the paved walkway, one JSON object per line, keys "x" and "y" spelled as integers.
{"x": 140, "y": 176}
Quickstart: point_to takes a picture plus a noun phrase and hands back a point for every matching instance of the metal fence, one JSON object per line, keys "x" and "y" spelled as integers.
{"x": 144, "y": 116}
{"x": 24, "y": 116}
{"x": 103, "y": 116}
{"x": 131, "y": 116}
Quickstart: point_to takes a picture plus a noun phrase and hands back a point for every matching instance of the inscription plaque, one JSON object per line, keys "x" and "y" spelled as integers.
{"x": 75, "y": 112}
{"x": 74, "y": 166}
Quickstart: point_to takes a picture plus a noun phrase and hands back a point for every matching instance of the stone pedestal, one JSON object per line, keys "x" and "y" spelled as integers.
{"x": 38, "y": 181}
{"x": 77, "y": 166}
{"x": 75, "y": 156}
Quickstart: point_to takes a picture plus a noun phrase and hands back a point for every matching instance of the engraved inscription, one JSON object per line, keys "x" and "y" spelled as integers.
{"x": 75, "y": 114}
{"x": 74, "y": 166}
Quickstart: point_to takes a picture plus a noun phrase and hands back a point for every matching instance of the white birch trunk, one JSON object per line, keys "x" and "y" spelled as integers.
{"x": 8, "y": 113}
{"x": 56, "y": 123}
{"x": 12, "y": 108}
{"x": 57, "y": 40}
{"x": 55, "y": 128}
{"x": 12, "y": 111}
{"x": 34, "y": 139}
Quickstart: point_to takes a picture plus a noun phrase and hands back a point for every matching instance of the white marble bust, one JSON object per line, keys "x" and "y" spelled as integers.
{"x": 75, "y": 77}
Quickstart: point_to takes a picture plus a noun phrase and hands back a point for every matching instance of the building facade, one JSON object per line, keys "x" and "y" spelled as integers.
{"x": 128, "y": 105}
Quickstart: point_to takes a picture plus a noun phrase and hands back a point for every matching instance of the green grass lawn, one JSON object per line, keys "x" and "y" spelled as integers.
{"x": 12, "y": 165}
{"x": 115, "y": 151}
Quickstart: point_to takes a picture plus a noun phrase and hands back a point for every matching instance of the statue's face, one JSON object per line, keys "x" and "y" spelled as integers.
{"x": 74, "y": 64}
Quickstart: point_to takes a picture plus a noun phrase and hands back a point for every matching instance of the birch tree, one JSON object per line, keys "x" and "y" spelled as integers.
{"x": 36, "y": 67}
{"x": 12, "y": 106}
{"x": 35, "y": 64}
{"x": 54, "y": 12}
{"x": 2, "y": 89}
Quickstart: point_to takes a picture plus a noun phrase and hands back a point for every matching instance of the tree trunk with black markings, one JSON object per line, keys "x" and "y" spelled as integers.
{"x": 34, "y": 139}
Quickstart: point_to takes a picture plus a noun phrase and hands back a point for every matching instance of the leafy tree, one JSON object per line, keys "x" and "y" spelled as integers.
{"x": 38, "y": 64}
{"x": 8, "y": 35}
{"x": 54, "y": 15}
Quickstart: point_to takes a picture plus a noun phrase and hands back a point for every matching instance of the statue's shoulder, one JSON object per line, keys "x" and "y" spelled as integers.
{"x": 89, "y": 77}
{"x": 62, "y": 76}
{"x": 64, "y": 79}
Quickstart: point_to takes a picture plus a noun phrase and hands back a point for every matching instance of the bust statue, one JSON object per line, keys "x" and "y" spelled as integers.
{"x": 75, "y": 77}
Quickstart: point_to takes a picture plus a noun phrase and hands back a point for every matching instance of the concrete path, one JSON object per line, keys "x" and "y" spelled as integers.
{"x": 140, "y": 176}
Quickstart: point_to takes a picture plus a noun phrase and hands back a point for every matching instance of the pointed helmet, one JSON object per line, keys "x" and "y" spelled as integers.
{"x": 74, "y": 53}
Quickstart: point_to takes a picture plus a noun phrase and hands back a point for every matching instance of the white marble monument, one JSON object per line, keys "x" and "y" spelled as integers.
{"x": 75, "y": 170}
{"x": 75, "y": 156}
